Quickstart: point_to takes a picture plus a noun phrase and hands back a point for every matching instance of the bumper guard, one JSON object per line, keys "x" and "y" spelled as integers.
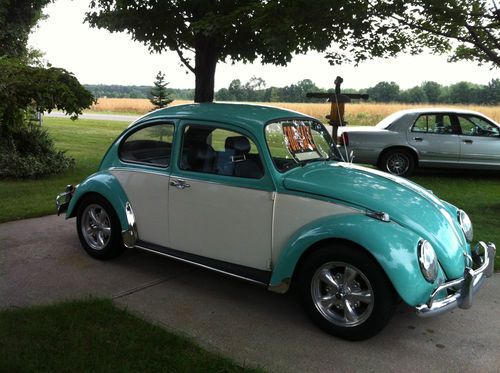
{"x": 63, "y": 199}
{"x": 462, "y": 289}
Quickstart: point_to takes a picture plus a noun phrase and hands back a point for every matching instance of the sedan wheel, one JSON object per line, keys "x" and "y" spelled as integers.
{"x": 399, "y": 162}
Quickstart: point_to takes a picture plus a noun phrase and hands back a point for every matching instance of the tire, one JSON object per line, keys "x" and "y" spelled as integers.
{"x": 399, "y": 162}
{"x": 98, "y": 228}
{"x": 360, "y": 306}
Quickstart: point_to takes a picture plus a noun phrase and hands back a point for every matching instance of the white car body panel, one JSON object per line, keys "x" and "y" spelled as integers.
{"x": 294, "y": 212}
{"x": 148, "y": 194}
{"x": 222, "y": 222}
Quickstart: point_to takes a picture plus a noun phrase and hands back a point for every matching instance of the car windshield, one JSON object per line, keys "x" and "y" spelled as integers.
{"x": 294, "y": 143}
{"x": 387, "y": 121}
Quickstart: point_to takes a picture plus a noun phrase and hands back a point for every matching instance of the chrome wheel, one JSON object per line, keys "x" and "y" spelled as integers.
{"x": 342, "y": 294}
{"x": 96, "y": 226}
{"x": 398, "y": 163}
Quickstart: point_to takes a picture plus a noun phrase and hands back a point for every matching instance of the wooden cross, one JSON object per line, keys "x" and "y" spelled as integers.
{"x": 337, "y": 107}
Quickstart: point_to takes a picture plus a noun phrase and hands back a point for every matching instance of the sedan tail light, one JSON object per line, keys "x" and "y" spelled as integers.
{"x": 343, "y": 139}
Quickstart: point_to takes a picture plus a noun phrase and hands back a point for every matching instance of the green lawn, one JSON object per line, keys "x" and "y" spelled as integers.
{"x": 87, "y": 140}
{"x": 95, "y": 336}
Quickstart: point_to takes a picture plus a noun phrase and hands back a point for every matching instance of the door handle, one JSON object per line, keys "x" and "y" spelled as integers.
{"x": 417, "y": 138}
{"x": 468, "y": 141}
{"x": 179, "y": 184}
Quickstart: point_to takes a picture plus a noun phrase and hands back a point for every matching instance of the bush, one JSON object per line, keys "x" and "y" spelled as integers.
{"x": 29, "y": 152}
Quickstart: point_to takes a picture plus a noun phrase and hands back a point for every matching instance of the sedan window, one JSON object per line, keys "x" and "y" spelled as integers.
{"x": 149, "y": 145}
{"x": 434, "y": 123}
{"x": 218, "y": 151}
{"x": 472, "y": 125}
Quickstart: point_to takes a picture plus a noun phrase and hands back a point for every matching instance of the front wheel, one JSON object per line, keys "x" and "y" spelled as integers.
{"x": 346, "y": 293}
{"x": 99, "y": 228}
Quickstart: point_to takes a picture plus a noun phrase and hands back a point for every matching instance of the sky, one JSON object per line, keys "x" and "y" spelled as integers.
{"x": 100, "y": 57}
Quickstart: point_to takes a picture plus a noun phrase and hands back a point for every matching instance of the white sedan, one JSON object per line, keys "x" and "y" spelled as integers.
{"x": 433, "y": 137}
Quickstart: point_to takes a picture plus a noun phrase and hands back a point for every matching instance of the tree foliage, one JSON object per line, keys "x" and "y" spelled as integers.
{"x": 211, "y": 31}
{"x": 25, "y": 87}
{"x": 17, "y": 18}
{"x": 159, "y": 95}
{"x": 469, "y": 29}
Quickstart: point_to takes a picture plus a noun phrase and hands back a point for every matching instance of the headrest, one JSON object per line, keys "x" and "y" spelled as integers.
{"x": 239, "y": 144}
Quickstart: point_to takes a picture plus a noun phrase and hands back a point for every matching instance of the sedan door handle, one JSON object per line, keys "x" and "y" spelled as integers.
{"x": 468, "y": 141}
{"x": 417, "y": 138}
{"x": 179, "y": 184}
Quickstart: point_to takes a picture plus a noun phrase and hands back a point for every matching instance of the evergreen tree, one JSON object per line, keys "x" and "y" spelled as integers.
{"x": 159, "y": 95}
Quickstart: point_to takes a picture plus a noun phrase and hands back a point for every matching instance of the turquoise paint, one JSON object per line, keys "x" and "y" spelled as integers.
{"x": 105, "y": 184}
{"x": 407, "y": 203}
{"x": 393, "y": 246}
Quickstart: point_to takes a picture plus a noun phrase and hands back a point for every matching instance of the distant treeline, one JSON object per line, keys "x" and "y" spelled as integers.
{"x": 255, "y": 90}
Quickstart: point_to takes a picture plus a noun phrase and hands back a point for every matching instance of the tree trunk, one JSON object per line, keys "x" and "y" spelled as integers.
{"x": 206, "y": 57}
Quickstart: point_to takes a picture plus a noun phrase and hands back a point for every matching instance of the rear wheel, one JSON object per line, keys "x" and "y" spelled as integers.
{"x": 99, "y": 228}
{"x": 345, "y": 292}
{"x": 398, "y": 162}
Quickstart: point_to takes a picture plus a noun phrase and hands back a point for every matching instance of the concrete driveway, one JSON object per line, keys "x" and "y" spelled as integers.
{"x": 41, "y": 262}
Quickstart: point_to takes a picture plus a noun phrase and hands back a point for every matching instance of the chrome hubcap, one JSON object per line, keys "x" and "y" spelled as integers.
{"x": 398, "y": 164}
{"x": 96, "y": 227}
{"x": 342, "y": 294}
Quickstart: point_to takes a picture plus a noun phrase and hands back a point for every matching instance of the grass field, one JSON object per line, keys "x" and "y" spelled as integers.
{"x": 95, "y": 336}
{"x": 356, "y": 113}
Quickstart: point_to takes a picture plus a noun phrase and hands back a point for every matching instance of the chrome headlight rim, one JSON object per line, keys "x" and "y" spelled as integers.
{"x": 427, "y": 260}
{"x": 466, "y": 225}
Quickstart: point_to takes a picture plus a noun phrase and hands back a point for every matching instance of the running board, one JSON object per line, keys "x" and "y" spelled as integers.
{"x": 256, "y": 276}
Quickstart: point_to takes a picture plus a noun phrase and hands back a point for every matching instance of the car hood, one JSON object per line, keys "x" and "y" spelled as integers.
{"x": 362, "y": 129}
{"x": 407, "y": 203}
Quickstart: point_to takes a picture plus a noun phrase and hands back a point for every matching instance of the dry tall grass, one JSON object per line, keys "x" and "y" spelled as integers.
{"x": 356, "y": 113}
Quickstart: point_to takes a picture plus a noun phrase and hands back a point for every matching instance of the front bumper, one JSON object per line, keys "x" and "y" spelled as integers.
{"x": 461, "y": 291}
{"x": 63, "y": 199}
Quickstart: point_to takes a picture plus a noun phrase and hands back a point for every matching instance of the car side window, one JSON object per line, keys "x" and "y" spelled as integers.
{"x": 149, "y": 145}
{"x": 218, "y": 151}
{"x": 472, "y": 125}
{"x": 434, "y": 123}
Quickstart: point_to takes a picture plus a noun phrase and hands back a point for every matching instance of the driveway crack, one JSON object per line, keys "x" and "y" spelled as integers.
{"x": 149, "y": 285}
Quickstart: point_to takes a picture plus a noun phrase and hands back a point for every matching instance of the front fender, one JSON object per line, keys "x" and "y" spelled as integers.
{"x": 393, "y": 246}
{"x": 105, "y": 184}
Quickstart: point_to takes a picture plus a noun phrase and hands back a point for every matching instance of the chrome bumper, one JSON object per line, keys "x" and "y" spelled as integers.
{"x": 461, "y": 291}
{"x": 63, "y": 199}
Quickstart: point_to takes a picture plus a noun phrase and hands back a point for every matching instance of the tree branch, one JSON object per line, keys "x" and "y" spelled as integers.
{"x": 184, "y": 60}
{"x": 478, "y": 42}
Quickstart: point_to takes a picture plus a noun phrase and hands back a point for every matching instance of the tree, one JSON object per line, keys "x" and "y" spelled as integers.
{"x": 432, "y": 91}
{"x": 159, "y": 95}
{"x": 210, "y": 31}
{"x": 469, "y": 29}
{"x": 384, "y": 92}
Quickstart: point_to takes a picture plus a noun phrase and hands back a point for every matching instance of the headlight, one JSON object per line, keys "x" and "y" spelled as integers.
{"x": 427, "y": 260}
{"x": 466, "y": 224}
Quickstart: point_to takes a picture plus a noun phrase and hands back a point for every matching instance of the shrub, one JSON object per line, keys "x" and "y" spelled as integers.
{"x": 29, "y": 152}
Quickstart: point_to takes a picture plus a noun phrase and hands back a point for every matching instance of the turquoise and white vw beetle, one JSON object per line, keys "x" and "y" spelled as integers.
{"x": 262, "y": 194}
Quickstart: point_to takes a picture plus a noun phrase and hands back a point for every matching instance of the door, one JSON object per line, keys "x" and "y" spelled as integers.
{"x": 144, "y": 175}
{"x": 435, "y": 138}
{"x": 221, "y": 200}
{"x": 479, "y": 141}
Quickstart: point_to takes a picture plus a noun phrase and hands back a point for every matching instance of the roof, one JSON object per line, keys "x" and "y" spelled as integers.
{"x": 240, "y": 114}
{"x": 438, "y": 110}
